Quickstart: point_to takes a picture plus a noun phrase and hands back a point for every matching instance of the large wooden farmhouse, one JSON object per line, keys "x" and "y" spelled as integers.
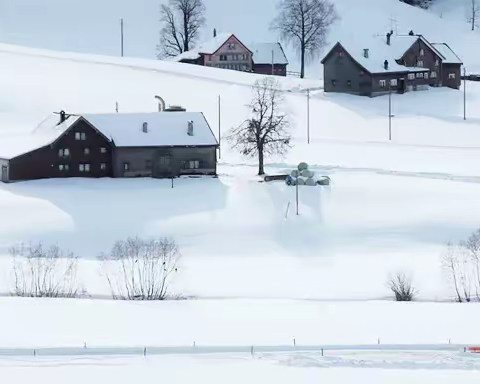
{"x": 390, "y": 64}
{"x": 226, "y": 51}
{"x": 165, "y": 144}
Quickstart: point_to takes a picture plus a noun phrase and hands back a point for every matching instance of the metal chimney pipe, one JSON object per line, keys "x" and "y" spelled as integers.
{"x": 161, "y": 104}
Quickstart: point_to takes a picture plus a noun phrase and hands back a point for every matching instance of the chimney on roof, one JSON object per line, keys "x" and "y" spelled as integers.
{"x": 365, "y": 53}
{"x": 411, "y": 33}
{"x": 145, "y": 127}
{"x": 214, "y": 32}
{"x": 190, "y": 128}
{"x": 385, "y": 65}
{"x": 389, "y": 37}
{"x": 63, "y": 117}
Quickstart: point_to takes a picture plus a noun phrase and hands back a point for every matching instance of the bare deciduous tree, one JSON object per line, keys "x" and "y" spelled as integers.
{"x": 266, "y": 131}
{"x": 44, "y": 271}
{"x": 401, "y": 285}
{"x": 181, "y": 22}
{"x": 473, "y": 13}
{"x": 456, "y": 262}
{"x": 304, "y": 23}
{"x": 138, "y": 269}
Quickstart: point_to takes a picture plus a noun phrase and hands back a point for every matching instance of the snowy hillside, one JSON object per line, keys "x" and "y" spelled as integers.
{"x": 60, "y": 25}
{"x": 254, "y": 271}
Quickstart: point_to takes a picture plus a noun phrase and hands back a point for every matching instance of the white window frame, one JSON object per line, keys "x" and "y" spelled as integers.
{"x": 77, "y": 136}
{"x": 81, "y": 167}
{"x": 393, "y": 82}
{"x": 382, "y": 83}
{"x": 193, "y": 164}
{"x": 420, "y": 63}
{"x": 422, "y": 52}
{"x": 61, "y": 167}
{"x": 433, "y": 75}
{"x": 83, "y": 136}
{"x": 126, "y": 166}
{"x": 66, "y": 167}
{"x": 426, "y": 75}
{"x": 419, "y": 75}
{"x": 103, "y": 150}
{"x": 452, "y": 76}
{"x": 103, "y": 166}
{"x": 411, "y": 76}
{"x": 87, "y": 167}
{"x": 86, "y": 151}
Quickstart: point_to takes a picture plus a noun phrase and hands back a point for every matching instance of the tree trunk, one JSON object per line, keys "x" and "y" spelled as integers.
{"x": 186, "y": 42}
{"x": 261, "y": 170}
{"x": 302, "y": 62}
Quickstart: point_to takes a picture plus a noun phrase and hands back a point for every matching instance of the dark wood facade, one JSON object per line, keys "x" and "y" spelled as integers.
{"x": 342, "y": 73}
{"x": 266, "y": 69}
{"x": 81, "y": 151}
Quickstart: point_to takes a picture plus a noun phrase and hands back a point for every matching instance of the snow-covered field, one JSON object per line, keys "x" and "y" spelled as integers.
{"x": 256, "y": 274}
{"x": 240, "y": 368}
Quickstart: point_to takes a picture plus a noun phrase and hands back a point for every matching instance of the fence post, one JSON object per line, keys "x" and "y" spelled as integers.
{"x": 251, "y": 350}
{"x": 145, "y": 351}
{"x": 378, "y": 341}
{"x": 322, "y": 352}
{"x": 294, "y": 342}
{"x": 34, "y": 352}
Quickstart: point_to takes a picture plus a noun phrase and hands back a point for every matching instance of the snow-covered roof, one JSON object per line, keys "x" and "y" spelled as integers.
{"x": 262, "y": 53}
{"x": 207, "y": 48}
{"x": 163, "y": 129}
{"x": 447, "y": 53}
{"x": 126, "y": 130}
{"x": 379, "y": 51}
{"x": 45, "y": 134}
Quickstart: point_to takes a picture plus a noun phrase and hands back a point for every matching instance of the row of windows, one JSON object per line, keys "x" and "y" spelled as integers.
{"x": 191, "y": 164}
{"x": 236, "y": 67}
{"x": 80, "y": 136}
{"x": 420, "y": 63}
{"x": 81, "y": 167}
{"x": 65, "y": 152}
{"x": 234, "y": 57}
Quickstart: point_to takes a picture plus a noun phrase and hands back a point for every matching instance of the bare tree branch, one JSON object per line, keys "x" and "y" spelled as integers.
{"x": 304, "y": 24}
{"x": 181, "y": 22}
{"x": 266, "y": 132}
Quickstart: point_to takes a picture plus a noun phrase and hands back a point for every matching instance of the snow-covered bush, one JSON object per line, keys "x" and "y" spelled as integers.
{"x": 138, "y": 269}
{"x": 44, "y": 271}
{"x": 401, "y": 285}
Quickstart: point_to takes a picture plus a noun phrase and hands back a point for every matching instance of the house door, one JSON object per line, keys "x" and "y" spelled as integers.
{"x": 402, "y": 85}
{"x": 4, "y": 173}
{"x": 164, "y": 166}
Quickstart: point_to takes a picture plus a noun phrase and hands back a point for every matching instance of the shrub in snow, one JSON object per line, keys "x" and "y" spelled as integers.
{"x": 401, "y": 286}
{"x": 138, "y": 269}
{"x": 44, "y": 271}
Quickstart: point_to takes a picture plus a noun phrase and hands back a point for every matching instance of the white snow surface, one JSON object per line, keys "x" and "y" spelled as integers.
{"x": 163, "y": 129}
{"x": 207, "y": 47}
{"x": 447, "y": 53}
{"x": 262, "y": 53}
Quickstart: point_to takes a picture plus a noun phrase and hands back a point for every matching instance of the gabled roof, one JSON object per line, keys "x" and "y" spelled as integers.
{"x": 207, "y": 48}
{"x": 125, "y": 130}
{"x": 262, "y": 53}
{"x": 449, "y": 56}
{"x": 379, "y": 51}
{"x": 163, "y": 129}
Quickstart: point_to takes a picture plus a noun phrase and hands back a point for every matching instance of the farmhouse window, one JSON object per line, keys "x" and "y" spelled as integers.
{"x": 86, "y": 151}
{"x": 422, "y": 52}
{"x": 420, "y": 63}
{"x": 419, "y": 75}
{"x": 433, "y": 74}
{"x": 103, "y": 166}
{"x": 103, "y": 150}
{"x": 451, "y": 75}
{"x": 393, "y": 82}
{"x": 223, "y": 57}
{"x": 411, "y": 76}
{"x": 126, "y": 166}
{"x": 77, "y": 135}
{"x": 192, "y": 164}
{"x": 382, "y": 83}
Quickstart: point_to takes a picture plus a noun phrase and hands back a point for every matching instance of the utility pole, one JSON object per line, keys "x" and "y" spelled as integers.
{"x": 273, "y": 62}
{"x": 308, "y": 116}
{"x": 219, "y": 126}
{"x": 464, "y": 93}
{"x": 390, "y": 112}
{"x": 296, "y": 192}
{"x": 116, "y": 106}
{"x": 121, "y": 36}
